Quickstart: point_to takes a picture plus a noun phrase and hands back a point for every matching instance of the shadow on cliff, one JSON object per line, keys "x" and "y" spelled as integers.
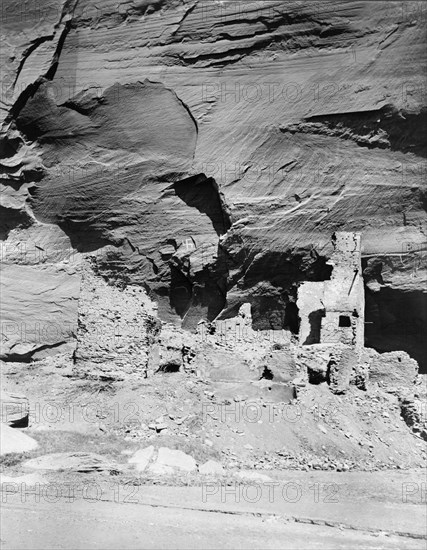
{"x": 384, "y": 128}
{"x": 202, "y": 193}
{"x": 396, "y": 320}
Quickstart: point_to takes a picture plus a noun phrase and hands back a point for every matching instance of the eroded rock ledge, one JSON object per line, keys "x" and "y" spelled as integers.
{"x": 207, "y": 152}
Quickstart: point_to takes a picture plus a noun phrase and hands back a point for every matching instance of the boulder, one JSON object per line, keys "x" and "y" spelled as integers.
{"x": 142, "y": 458}
{"x": 14, "y": 441}
{"x": 14, "y": 409}
{"x": 78, "y": 461}
{"x": 170, "y": 460}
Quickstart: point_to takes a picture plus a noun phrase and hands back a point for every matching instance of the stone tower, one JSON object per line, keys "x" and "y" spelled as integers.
{"x": 332, "y": 311}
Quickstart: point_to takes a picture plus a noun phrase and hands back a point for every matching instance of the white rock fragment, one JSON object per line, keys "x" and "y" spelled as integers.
{"x": 14, "y": 441}
{"x": 142, "y": 458}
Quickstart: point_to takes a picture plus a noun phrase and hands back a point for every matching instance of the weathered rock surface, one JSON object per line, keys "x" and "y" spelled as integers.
{"x": 14, "y": 441}
{"x": 336, "y": 364}
{"x": 395, "y": 320}
{"x": 116, "y": 328}
{"x": 394, "y": 371}
{"x": 14, "y": 409}
{"x": 314, "y": 360}
{"x": 171, "y": 351}
{"x": 217, "y": 367}
{"x": 142, "y": 458}
{"x": 39, "y": 311}
{"x": 341, "y": 372}
{"x": 208, "y": 150}
{"x": 278, "y": 366}
{"x": 169, "y": 461}
{"x": 78, "y": 461}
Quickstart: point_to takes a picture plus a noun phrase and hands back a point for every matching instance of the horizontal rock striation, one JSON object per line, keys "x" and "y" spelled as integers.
{"x": 207, "y": 150}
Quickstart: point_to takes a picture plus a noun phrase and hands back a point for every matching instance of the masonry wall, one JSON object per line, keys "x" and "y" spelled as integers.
{"x": 333, "y": 311}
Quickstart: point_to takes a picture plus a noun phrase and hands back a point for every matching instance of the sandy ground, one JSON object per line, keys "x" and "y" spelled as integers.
{"x": 174, "y": 519}
{"x": 303, "y": 510}
{"x": 346, "y": 472}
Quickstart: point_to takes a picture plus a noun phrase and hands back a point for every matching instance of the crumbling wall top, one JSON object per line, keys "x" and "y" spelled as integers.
{"x": 346, "y": 242}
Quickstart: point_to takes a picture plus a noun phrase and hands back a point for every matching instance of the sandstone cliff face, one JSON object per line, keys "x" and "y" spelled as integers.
{"x": 39, "y": 311}
{"x": 207, "y": 150}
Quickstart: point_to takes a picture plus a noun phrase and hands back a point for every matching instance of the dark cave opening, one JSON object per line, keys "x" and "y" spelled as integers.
{"x": 169, "y": 368}
{"x": 396, "y": 320}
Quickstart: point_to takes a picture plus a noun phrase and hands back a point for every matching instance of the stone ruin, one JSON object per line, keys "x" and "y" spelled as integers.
{"x": 127, "y": 338}
{"x": 330, "y": 344}
{"x": 331, "y": 339}
{"x": 332, "y": 311}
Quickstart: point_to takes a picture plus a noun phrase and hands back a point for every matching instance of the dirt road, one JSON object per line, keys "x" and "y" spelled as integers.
{"x": 155, "y": 517}
{"x": 84, "y": 525}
